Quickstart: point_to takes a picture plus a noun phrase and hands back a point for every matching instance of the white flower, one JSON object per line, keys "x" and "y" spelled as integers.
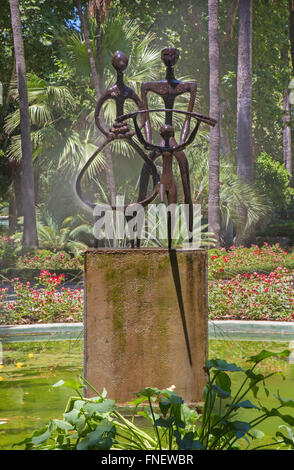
{"x": 171, "y": 388}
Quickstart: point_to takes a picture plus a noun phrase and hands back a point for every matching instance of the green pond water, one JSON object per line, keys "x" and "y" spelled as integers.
{"x": 29, "y": 370}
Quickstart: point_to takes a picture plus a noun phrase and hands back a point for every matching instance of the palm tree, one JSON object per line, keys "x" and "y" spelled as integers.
{"x": 30, "y": 238}
{"x": 244, "y": 110}
{"x": 89, "y": 50}
{"x": 214, "y": 219}
{"x": 64, "y": 149}
{"x": 233, "y": 191}
{"x": 99, "y": 10}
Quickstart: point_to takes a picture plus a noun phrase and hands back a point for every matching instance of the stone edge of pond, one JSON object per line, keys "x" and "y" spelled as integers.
{"x": 218, "y": 329}
{"x": 45, "y": 331}
{"x": 251, "y": 330}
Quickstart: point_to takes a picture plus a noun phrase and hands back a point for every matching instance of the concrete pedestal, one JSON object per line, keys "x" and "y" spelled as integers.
{"x": 134, "y": 335}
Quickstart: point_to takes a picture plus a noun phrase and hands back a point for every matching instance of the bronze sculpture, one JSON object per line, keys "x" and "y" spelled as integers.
{"x": 168, "y": 89}
{"x": 119, "y": 92}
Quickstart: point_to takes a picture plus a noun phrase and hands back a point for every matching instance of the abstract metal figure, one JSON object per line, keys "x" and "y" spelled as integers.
{"x": 167, "y": 150}
{"x": 119, "y": 92}
{"x": 169, "y": 89}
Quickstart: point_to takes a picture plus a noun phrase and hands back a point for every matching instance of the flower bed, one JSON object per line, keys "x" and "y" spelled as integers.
{"x": 245, "y": 283}
{"x": 45, "y": 302}
{"x": 226, "y": 264}
{"x": 48, "y": 260}
{"x": 253, "y": 297}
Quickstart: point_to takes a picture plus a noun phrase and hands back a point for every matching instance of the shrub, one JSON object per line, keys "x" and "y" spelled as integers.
{"x": 8, "y": 256}
{"x": 274, "y": 180}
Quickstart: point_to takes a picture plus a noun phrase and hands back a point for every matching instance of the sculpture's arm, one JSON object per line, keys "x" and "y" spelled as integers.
{"x": 147, "y": 145}
{"x": 192, "y": 89}
{"x": 134, "y": 97}
{"x": 145, "y": 88}
{"x": 106, "y": 96}
{"x": 190, "y": 139}
{"x": 199, "y": 117}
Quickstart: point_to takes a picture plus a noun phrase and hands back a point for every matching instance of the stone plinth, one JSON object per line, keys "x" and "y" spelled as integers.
{"x": 134, "y": 335}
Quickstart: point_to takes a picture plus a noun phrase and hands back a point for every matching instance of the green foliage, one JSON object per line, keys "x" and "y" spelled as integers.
{"x": 96, "y": 424}
{"x": 55, "y": 236}
{"x": 56, "y": 52}
{"x": 8, "y": 256}
{"x": 232, "y": 189}
{"x": 280, "y": 228}
{"x": 273, "y": 179}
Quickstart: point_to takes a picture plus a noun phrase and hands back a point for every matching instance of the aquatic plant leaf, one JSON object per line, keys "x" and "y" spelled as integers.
{"x": 243, "y": 404}
{"x": 176, "y": 400}
{"x": 285, "y": 401}
{"x": 93, "y": 438}
{"x": 76, "y": 419}
{"x": 107, "y": 406}
{"x": 286, "y": 440}
{"x": 220, "y": 393}
{"x": 223, "y": 381}
{"x": 148, "y": 392}
{"x": 264, "y": 354}
{"x": 68, "y": 383}
{"x": 63, "y": 424}
{"x": 165, "y": 423}
{"x": 188, "y": 442}
{"x": 238, "y": 428}
{"x": 41, "y": 436}
{"x": 222, "y": 365}
{"x": 164, "y": 406}
{"x": 274, "y": 412}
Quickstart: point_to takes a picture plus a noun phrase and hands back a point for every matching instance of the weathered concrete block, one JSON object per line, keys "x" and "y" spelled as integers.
{"x": 134, "y": 335}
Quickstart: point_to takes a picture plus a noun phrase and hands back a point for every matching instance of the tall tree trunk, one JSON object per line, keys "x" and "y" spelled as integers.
{"x": 287, "y": 144}
{"x": 214, "y": 214}
{"x": 225, "y": 108}
{"x": 289, "y": 164}
{"x": 230, "y": 21}
{"x": 98, "y": 84}
{"x": 244, "y": 113}
{"x": 30, "y": 238}
{"x": 89, "y": 49}
{"x": 291, "y": 11}
{"x": 109, "y": 164}
{"x": 99, "y": 50}
{"x": 15, "y": 168}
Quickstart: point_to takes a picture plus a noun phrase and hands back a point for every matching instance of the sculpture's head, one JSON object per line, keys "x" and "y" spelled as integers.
{"x": 120, "y": 61}
{"x": 170, "y": 56}
{"x": 166, "y": 132}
